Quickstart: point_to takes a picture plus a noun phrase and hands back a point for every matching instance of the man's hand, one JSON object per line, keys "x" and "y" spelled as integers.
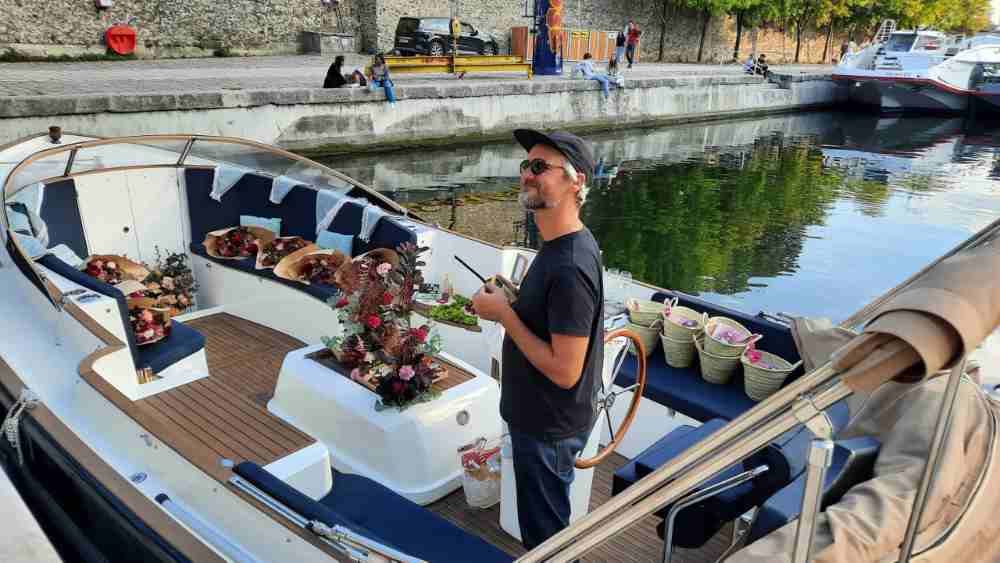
{"x": 490, "y": 303}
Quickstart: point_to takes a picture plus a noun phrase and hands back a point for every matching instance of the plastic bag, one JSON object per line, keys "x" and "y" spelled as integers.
{"x": 480, "y": 473}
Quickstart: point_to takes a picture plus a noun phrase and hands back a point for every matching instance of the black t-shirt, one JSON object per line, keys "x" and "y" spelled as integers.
{"x": 562, "y": 293}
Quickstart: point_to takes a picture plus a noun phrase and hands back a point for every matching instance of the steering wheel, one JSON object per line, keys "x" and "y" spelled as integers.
{"x": 607, "y": 399}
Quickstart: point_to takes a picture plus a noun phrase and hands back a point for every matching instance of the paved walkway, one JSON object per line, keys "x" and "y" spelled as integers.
{"x": 259, "y": 73}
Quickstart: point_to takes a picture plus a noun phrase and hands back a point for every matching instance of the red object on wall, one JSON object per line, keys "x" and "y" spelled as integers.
{"x": 120, "y": 39}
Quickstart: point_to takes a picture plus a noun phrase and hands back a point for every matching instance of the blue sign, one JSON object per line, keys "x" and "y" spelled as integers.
{"x": 548, "y": 55}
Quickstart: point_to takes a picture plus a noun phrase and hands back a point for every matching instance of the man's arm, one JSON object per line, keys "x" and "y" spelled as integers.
{"x": 561, "y": 361}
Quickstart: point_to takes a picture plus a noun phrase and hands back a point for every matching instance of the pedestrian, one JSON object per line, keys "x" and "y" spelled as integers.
{"x": 586, "y": 68}
{"x": 844, "y": 49}
{"x": 553, "y": 349}
{"x": 456, "y": 32}
{"x": 335, "y": 74}
{"x": 620, "y": 47}
{"x": 633, "y": 41}
{"x": 379, "y": 78}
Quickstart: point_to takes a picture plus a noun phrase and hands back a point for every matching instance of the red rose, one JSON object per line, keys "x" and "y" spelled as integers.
{"x": 373, "y": 321}
{"x": 387, "y": 298}
{"x": 397, "y": 387}
{"x": 237, "y": 236}
{"x": 342, "y": 303}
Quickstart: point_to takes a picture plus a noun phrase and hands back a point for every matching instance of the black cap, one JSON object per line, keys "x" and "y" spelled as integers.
{"x": 575, "y": 149}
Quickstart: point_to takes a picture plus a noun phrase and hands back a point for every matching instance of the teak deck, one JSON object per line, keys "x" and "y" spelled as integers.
{"x": 244, "y": 359}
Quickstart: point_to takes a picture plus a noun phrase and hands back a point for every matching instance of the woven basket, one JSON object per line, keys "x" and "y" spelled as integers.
{"x": 678, "y": 331}
{"x": 760, "y": 382}
{"x": 643, "y": 312}
{"x": 678, "y": 353}
{"x": 647, "y": 334}
{"x": 722, "y": 349}
{"x": 715, "y": 369}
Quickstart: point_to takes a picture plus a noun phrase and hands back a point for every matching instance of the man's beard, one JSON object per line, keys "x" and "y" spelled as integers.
{"x": 532, "y": 202}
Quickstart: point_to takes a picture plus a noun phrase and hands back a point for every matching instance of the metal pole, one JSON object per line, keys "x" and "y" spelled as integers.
{"x": 933, "y": 458}
{"x": 820, "y": 458}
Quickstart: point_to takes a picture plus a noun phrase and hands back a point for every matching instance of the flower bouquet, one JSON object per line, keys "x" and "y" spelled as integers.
{"x": 237, "y": 242}
{"x": 380, "y": 347}
{"x": 149, "y": 324}
{"x": 171, "y": 283}
{"x": 112, "y": 269}
{"x": 272, "y": 252}
{"x": 311, "y": 266}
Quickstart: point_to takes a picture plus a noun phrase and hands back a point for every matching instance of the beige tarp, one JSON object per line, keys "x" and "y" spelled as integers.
{"x": 924, "y": 329}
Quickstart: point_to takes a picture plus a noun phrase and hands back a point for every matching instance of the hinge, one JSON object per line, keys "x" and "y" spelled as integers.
{"x": 817, "y": 421}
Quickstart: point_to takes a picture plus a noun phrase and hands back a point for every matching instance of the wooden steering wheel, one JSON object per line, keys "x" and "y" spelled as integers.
{"x": 607, "y": 400}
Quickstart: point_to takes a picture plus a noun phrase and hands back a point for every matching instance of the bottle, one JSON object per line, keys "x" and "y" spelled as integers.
{"x": 446, "y": 289}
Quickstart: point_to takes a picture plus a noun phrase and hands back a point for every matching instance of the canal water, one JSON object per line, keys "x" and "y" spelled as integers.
{"x": 811, "y": 214}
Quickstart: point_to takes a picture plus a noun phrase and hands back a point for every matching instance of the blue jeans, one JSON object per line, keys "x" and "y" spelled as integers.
{"x": 543, "y": 469}
{"x": 387, "y": 86}
{"x": 604, "y": 83}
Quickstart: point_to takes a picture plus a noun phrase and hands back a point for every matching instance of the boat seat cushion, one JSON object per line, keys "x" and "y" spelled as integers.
{"x": 249, "y": 265}
{"x": 370, "y": 509}
{"x": 853, "y": 461}
{"x": 181, "y": 343}
{"x": 387, "y": 234}
{"x": 684, "y": 390}
{"x": 61, "y": 214}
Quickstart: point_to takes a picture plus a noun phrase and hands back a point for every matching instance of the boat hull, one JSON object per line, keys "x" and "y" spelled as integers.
{"x": 902, "y": 95}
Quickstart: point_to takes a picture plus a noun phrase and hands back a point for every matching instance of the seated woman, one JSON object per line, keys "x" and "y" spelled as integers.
{"x": 761, "y": 67}
{"x": 586, "y": 67}
{"x": 335, "y": 76}
{"x": 379, "y": 77}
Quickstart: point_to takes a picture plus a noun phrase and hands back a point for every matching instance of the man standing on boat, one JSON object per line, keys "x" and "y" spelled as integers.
{"x": 554, "y": 343}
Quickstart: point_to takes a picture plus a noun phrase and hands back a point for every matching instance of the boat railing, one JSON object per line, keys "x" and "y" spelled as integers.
{"x": 801, "y": 402}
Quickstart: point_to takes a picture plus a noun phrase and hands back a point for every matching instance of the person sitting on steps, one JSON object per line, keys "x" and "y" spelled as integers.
{"x": 586, "y": 67}
{"x": 379, "y": 77}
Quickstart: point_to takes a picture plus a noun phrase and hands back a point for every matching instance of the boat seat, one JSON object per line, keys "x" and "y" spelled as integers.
{"x": 251, "y": 196}
{"x": 61, "y": 214}
{"x": 785, "y": 458}
{"x": 684, "y": 390}
{"x": 853, "y": 463}
{"x": 183, "y": 341}
{"x": 370, "y": 509}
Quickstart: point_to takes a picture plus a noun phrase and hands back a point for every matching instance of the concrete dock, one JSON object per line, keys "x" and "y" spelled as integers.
{"x": 21, "y": 538}
{"x": 277, "y": 100}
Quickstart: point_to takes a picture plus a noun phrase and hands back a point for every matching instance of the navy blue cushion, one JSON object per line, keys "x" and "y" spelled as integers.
{"x": 387, "y": 234}
{"x": 181, "y": 343}
{"x": 61, "y": 214}
{"x": 370, "y": 509}
{"x": 685, "y": 391}
{"x": 249, "y": 265}
{"x": 206, "y": 214}
{"x": 852, "y": 464}
{"x": 297, "y": 210}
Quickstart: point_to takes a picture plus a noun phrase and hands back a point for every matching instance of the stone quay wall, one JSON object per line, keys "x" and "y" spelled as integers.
{"x": 205, "y": 27}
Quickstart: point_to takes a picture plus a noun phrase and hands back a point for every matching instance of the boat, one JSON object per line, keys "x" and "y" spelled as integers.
{"x": 236, "y": 436}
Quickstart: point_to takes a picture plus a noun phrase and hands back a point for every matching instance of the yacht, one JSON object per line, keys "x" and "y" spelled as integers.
{"x": 231, "y": 438}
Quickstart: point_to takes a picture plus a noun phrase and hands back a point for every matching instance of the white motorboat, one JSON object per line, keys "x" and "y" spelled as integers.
{"x": 230, "y": 440}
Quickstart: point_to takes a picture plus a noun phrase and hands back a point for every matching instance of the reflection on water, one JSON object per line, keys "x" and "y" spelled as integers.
{"x": 810, "y": 214}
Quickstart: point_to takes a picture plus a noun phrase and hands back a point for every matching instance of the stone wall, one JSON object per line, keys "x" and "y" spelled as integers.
{"x": 200, "y": 27}
{"x": 171, "y": 27}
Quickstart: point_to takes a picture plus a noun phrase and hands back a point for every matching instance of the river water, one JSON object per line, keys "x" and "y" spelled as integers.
{"x": 811, "y": 214}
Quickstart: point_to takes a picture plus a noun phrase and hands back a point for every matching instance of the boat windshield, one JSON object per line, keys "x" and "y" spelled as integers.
{"x": 900, "y": 42}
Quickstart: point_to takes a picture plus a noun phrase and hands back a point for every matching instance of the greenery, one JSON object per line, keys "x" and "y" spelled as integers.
{"x": 455, "y": 312}
{"x": 12, "y": 56}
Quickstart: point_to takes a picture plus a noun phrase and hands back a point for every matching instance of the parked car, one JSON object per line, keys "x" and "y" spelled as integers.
{"x": 432, "y": 36}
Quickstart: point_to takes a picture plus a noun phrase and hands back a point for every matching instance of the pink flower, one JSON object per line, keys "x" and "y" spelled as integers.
{"x": 111, "y": 266}
{"x": 373, "y": 321}
{"x": 387, "y": 298}
{"x": 147, "y": 315}
{"x": 754, "y": 356}
{"x": 384, "y": 268}
{"x": 406, "y": 373}
{"x": 341, "y": 303}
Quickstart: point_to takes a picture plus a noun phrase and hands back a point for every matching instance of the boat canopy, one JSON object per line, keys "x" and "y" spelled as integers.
{"x": 153, "y": 151}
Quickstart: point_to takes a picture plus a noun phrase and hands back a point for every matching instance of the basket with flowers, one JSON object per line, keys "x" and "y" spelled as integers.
{"x": 311, "y": 266}
{"x": 113, "y": 269}
{"x": 236, "y": 242}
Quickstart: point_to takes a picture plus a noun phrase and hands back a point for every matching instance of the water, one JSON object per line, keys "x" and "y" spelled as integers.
{"x": 811, "y": 214}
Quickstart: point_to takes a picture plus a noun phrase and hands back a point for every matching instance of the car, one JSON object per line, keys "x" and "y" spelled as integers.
{"x": 432, "y": 36}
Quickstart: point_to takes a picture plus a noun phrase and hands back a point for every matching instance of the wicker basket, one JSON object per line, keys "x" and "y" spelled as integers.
{"x": 647, "y": 334}
{"x": 643, "y": 312}
{"x": 678, "y": 353}
{"x": 715, "y": 369}
{"x": 678, "y": 331}
{"x": 760, "y": 382}
{"x": 722, "y": 349}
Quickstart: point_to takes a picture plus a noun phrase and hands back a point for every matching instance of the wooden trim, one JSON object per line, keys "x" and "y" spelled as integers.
{"x": 143, "y": 507}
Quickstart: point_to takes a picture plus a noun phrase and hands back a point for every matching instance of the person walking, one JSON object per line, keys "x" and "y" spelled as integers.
{"x": 632, "y": 40}
{"x": 553, "y": 350}
{"x": 619, "y": 48}
{"x": 335, "y": 74}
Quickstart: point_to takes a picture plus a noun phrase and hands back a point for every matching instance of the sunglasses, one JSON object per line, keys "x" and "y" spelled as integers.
{"x": 537, "y": 166}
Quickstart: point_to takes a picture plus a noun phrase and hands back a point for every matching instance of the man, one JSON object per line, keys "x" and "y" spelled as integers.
{"x": 633, "y": 41}
{"x": 554, "y": 343}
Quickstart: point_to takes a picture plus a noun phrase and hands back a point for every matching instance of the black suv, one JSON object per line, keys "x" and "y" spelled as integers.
{"x": 432, "y": 36}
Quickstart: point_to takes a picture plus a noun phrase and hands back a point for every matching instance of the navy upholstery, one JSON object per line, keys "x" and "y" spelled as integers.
{"x": 853, "y": 461}
{"x": 377, "y": 512}
{"x": 249, "y": 265}
{"x": 685, "y": 391}
{"x": 181, "y": 343}
{"x": 61, "y": 214}
{"x": 206, "y": 214}
{"x": 387, "y": 234}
